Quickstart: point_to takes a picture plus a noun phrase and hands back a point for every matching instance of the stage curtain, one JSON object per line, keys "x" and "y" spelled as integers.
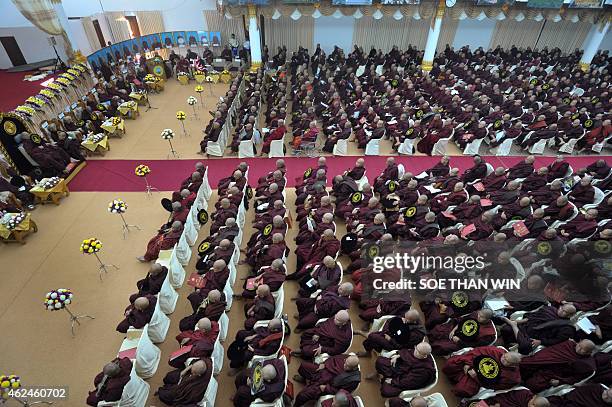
{"x": 150, "y": 22}
{"x": 564, "y": 35}
{"x": 90, "y": 32}
{"x": 447, "y": 33}
{"x": 385, "y": 33}
{"x": 217, "y": 22}
{"x": 523, "y": 34}
{"x": 118, "y": 25}
{"x": 286, "y": 31}
{"x": 42, "y": 14}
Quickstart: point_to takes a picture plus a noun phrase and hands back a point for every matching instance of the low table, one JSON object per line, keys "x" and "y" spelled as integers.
{"x": 54, "y": 194}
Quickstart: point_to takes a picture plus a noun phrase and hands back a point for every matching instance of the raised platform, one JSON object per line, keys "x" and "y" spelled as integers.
{"x": 34, "y": 66}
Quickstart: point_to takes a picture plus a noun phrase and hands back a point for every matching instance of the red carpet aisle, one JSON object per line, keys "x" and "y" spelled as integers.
{"x": 118, "y": 175}
{"x": 15, "y": 90}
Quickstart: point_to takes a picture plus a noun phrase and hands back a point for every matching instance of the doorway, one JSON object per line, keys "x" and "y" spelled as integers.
{"x": 12, "y": 49}
{"x": 96, "y": 25}
{"x": 133, "y": 22}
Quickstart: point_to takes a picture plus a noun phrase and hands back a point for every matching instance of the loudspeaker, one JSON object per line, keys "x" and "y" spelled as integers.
{"x": 52, "y": 41}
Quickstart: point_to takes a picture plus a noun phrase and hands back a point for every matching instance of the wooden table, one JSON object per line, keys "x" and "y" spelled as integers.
{"x": 18, "y": 234}
{"x": 54, "y": 194}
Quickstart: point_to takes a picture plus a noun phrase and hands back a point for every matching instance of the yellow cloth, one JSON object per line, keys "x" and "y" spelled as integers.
{"x": 184, "y": 80}
{"x": 125, "y": 108}
{"x": 199, "y": 78}
{"x": 93, "y": 146}
{"x": 136, "y": 96}
{"x": 216, "y": 77}
{"x": 5, "y": 233}
{"x": 108, "y": 126}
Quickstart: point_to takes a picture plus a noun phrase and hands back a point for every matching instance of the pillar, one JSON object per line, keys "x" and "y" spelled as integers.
{"x": 432, "y": 37}
{"x": 592, "y": 44}
{"x": 254, "y": 38}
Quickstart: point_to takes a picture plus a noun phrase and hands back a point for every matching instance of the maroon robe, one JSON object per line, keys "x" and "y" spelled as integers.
{"x": 333, "y": 339}
{"x": 559, "y": 362}
{"x": 162, "y": 241}
{"x": 271, "y": 390}
{"x": 587, "y": 395}
{"x": 466, "y": 385}
{"x": 185, "y": 391}
{"x": 325, "y": 305}
{"x": 150, "y": 284}
{"x": 332, "y": 376}
{"x": 409, "y": 373}
{"x": 395, "y": 334}
{"x": 442, "y": 345}
{"x": 582, "y": 195}
{"x": 137, "y": 318}
{"x": 212, "y": 281}
{"x": 113, "y": 388}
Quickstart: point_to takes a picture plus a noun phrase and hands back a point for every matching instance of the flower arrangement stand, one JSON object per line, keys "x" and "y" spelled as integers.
{"x": 74, "y": 319}
{"x": 103, "y": 268}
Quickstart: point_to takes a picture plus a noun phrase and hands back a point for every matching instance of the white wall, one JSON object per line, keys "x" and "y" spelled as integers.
{"x": 330, "y": 31}
{"x": 33, "y": 44}
{"x": 474, "y": 33}
{"x": 79, "y": 38}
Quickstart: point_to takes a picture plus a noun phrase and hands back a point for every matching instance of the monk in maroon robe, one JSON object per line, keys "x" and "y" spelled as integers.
{"x": 201, "y": 341}
{"x": 260, "y": 341}
{"x": 477, "y": 171}
{"x": 582, "y": 226}
{"x": 546, "y": 326}
{"x": 390, "y": 173}
{"x": 397, "y": 333}
{"x": 487, "y": 366}
{"x": 212, "y": 308}
{"x": 426, "y": 144}
{"x": 325, "y": 305}
{"x": 164, "y": 240}
{"x": 332, "y": 336}
{"x": 273, "y": 276}
{"x": 138, "y": 314}
{"x": 407, "y": 369}
{"x": 277, "y": 134}
{"x": 340, "y": 372}
{"x": 567, "y": 362}
{"x": 273, "y": 377}
{"x": 515, "y": 398}
{"x": 341, "y": 398}
{"x": 188, "y": 386}
{"x": 522, "y": 169}
{"x": 110, "y": 382}
{"x": 582, "y": 193}
{"x": 472, "y": 330}
{"x": 152, "y": 283}
{"x": 214, "y": 279}
{"x": 557, "y": 169}
{"x": 587, "y": 395}
{"x": 261, "y": 308}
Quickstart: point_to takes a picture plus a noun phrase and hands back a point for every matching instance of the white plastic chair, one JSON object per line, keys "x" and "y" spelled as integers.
{"x": 538, "y": 147}
{"x": 504, "y": 148}
{"x": 135, "y": 393}
{"x": 433, "y": 400}
{"x": 217, "y": 356}
{"x": 401, "y": 170}
{"x": 191, "y": 231}
{"x": 341, "y": 147}
{"x": 363, "y": 180}
{"x": 158, "y": 326}
{"x": 147, "y": 354}
{"x": 416, "y": 392}
{"x": 214, "y": 148}
{"x": 211, "y": 391}
{"x": 373, "y": 147}
{"x": 277, "y": 148}
{"x": 169, "y": 259}
{"x": 568, "y": 148}
{"x": 440, "y": 147}
{"x": 598, "y": 197}
{"x": 167, "y": 297}
{"x": 407, "y": 147}
{"x": 183, "y": 251}
{"x": 245, "y": 149}
{"x": 223, "y": 327}
{"x": 229, "y": 295}
{"x": 472, "y": 147}
{"x": 206, "y": 185}
{"x": 279, "y": 299}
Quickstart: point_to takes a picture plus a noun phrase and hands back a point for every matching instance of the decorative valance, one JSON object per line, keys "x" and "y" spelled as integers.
{"x": 425, "y": 10}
